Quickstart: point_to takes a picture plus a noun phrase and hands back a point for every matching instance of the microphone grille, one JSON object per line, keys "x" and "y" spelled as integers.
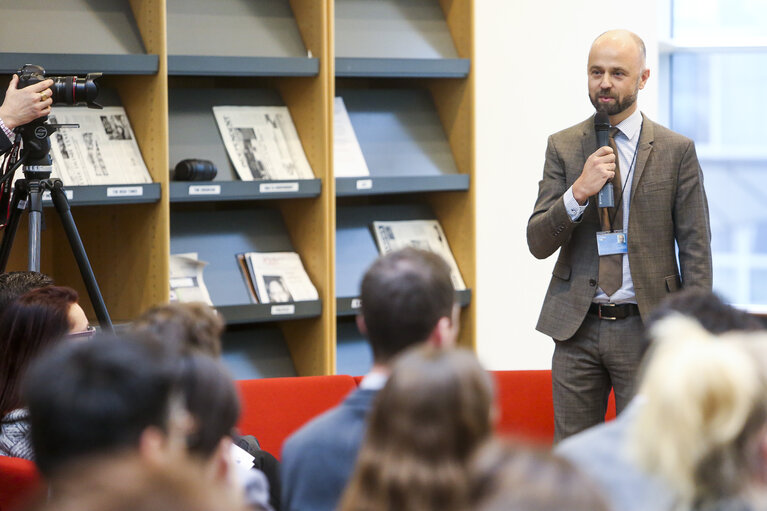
{"x": 602, "y": 121}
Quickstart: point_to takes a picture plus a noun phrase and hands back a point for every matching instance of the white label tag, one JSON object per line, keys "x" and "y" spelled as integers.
{"x": 356, "y": 303}
{"x": 364, "y": 184}
{"x": 204, "y": 189}
{"x": 278, "y": 187}
{"x": 22, "y": 204}
{"x": 281, "y": 310}
{"x": 125, "y": 191}
{"x": 67, "y": 193}
{"x": 178, "y": 282}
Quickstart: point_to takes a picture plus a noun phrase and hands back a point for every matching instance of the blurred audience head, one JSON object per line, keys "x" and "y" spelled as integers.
{"x": 29, "y": 326}
{"x": 130, "y": 483}
{"x": 183, "y": 326}
{"x": 425, "y": 424}
{"x": 702, "y": 425}
{"x": 16, "y": 283}
{"x": 108, "y": 396}
{"x": 503, "y": 476}
{"x": 407, "y": 298}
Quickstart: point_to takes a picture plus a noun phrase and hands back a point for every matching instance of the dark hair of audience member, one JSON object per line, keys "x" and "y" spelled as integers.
{"x": 505, "y": 476}
{"x": 29, "y": 326}
{"x": 16, "y": 283}
{"x": 183, "y": 326}
{"x": 212, "y": 401}
{"x": 129, "y": 483}
{"x": 432, "y": 413}
{"x": 105, "y": 393}
{"x": 404, "y": 294}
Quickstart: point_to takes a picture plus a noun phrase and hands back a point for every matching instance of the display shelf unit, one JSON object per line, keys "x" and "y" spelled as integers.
{"x": 405, "y": 70}
{"x": 106, "y": 195}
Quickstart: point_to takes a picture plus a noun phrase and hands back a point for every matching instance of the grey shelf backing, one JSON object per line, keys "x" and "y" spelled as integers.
{"x": 73, "y": 36}
{"x": 394, "y": 29}
{"x": 236, "y": 38}
{"x": 109, "y": 194}
{"x": 217, "y": 235}
{"x": 266, "y": 312}
{"x": 402, "y": 67}
{"x": 257, "y": 352}
{"x": 400, "y": 135}
{"x": 217, "y": 191}
{"x": 353, "y": 353}
{"x": 205, "y": 65}
{"x": 354, "y": 186}
{"x": 193, "y": 129}
{"x": 350, "y": 305}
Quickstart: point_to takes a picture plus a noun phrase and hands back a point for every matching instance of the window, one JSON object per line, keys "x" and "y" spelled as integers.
{"x": 717, "y": 61}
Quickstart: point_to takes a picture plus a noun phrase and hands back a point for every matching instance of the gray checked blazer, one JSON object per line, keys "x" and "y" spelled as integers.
{"x": 668, "y": 205}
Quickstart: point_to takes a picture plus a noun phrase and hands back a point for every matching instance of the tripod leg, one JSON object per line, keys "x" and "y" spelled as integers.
{"x": 18, "y": 203}
{"x": 75, "y": 242}
{"x": 35, "y": 191}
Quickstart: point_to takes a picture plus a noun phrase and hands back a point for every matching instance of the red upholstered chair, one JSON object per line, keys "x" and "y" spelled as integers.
{"x": 18, "y": 480}
{"x": 273, "y": 408}
{"x": 525, "y": 406}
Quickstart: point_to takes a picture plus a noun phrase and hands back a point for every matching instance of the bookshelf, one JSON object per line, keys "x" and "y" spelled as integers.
{"x": 404, "y": 68}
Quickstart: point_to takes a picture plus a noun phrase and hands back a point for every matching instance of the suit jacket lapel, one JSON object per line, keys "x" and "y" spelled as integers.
{"x": 646, "y": 139}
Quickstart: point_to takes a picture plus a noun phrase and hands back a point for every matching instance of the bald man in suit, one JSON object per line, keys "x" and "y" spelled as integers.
{"x": 595, "y": 303}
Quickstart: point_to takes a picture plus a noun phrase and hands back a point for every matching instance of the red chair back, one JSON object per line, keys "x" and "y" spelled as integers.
{"x": 273, "y": 408}
{"x": 525, "y": 406}
{"x": 18, "y": 480}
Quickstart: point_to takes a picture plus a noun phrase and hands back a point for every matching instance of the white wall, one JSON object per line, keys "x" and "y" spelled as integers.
{"x": 531, "y": 81}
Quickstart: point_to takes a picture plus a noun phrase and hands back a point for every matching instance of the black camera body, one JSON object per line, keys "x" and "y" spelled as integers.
{"x": 67, "y": 90}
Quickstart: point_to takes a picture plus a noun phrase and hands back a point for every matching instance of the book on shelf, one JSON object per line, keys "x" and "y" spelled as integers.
{"x": 276, "y": 277}
{"x": 102, "y": 151}
{"x": 424, "y": 234}
{"x": 186, "y": 282}
{"x": 262, "y": 142}
{"x": 348, "y": 160}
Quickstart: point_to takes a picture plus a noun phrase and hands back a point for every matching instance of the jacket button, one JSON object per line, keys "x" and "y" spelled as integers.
{"x": 592, "y": 282}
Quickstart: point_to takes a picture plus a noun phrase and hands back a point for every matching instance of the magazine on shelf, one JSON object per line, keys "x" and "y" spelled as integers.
{"x": 186, "y": 282}
{"x": 423, "y": 234}
{"x": 243, "y": 264}
{"x": 262, "y": 142}
{"x": 278, "y": 277}
{"x": 348, "y": 160}
{"x": 102, "y": 151}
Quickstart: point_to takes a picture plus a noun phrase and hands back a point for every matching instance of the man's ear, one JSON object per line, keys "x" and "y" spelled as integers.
{"x": 443, "y": 335}
{"x": 363, "y": 328}
{"x": 152, "y": 445}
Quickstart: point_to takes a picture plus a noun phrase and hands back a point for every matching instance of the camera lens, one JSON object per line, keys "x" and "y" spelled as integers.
{"x": 195, "y": 170}
{"x": 71, "y": 90}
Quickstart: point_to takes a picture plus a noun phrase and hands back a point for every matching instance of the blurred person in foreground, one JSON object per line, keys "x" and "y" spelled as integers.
{"x": 407, "y": 299}
{"x": 29, "y": 327}
{"x": 425, "y": 424}
{"x": 603, "y": 451}
{"x": 504, "y": 476}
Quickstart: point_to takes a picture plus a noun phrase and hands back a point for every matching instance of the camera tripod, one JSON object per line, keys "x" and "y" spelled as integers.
{"x": 29, "y": 192}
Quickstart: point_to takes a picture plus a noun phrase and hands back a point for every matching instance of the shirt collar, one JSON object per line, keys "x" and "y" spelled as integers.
{"x": 374, "y": 381}
{"x": 631, "y": 125}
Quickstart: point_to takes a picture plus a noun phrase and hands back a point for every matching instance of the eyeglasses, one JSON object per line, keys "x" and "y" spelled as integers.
{"x": 85, "y": 334}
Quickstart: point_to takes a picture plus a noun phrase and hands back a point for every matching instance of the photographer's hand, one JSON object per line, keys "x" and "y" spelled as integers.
{"x": 25, "y": 105}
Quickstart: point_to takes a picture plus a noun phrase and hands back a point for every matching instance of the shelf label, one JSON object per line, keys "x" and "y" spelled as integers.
{"x": 356, "y": 303}
{"x": 278, "y": 187}
{"x": 125, "y": 191}
{"x": 67, "y": 193}
{"x": 204, "y": 189}
{"x": 364, "y": 184}
{"x": 283, "y": 310}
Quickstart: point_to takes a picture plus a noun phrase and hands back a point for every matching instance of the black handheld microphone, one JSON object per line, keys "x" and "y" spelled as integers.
{"x": 605, "y": 199}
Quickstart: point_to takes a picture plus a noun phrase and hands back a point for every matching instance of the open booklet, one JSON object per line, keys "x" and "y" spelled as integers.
{"x": 262, "y": 142}
{"x": 276, "y": 277}
{"x": 186, "y": 283}
{"x": 102, "y": 151}
{"x": 423, "y": 234}
{"x": 348, "y": 160}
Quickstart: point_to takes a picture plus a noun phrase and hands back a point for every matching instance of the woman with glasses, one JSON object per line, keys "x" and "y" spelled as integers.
{"x": 30, "y": 326}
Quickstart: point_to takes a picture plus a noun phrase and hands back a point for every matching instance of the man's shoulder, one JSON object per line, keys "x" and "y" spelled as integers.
{"x": 330, "y": 427}
{"x": 663, "y": 134}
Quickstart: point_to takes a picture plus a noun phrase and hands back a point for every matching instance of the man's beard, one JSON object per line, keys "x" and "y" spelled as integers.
{"x": 618, "y": 106}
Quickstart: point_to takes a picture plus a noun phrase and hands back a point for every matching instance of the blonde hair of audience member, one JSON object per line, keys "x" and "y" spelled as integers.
{"x": 504, "y": 476}
{"x": 193, "y": 326}
{"x": 702, "y": 425}
{"x": 130, "y": 483}
{"x": 424, "y": 426}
